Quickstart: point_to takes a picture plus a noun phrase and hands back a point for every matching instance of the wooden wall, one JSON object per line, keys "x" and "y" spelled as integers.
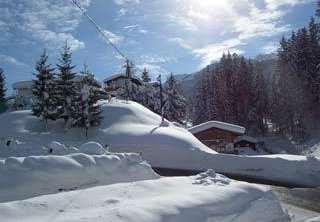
{"x": 215, "y": 133}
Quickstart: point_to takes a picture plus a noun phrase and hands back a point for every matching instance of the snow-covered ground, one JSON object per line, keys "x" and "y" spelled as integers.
{"x": 130, "y": 127}
{"x": 204, "y": 197}
{"x": 25, "y": 177}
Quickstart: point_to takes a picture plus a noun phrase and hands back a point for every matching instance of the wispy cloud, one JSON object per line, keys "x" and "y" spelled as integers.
{"x": 49, "y": 23}
{"x": 270, "y": 47}
{"x": 135, "y": 28}
{"x": 124, "y": 2}
{"x": 11, "y": 60}
{"x": 114, "y": 38}
{"x": 153, "y": 69}
{"x": 212, "y": 52}
{"x": 234, "y": 24}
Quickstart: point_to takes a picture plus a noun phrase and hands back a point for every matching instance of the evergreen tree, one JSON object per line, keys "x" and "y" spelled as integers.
{"x": 87, "y": 110}
{"x": 174, "y": 105}
{"x": 2, "y": 87}
{"x": 145, "y": 76}
{"x": 260, "y": 100}
{"x": 66, "y": 85}
{"x": 44, "y": 99}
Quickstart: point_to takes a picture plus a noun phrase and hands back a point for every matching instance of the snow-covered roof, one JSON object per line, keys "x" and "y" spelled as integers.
{"x": 246, "y": 138}
{"x": 116, "y": 76}
{"x": 22, "y": 85}
{"x": 218, "y": 125}
{"x": 79, "y": 78}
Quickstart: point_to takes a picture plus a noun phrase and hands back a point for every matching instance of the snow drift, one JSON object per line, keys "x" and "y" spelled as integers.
{"x": 130, "y": 127}
{"x": 37, "y": 175}
{"x": 204, "y": 197}
{"x": 125, "y": 124}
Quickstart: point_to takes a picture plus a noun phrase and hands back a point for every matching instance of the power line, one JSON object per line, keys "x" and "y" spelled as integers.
{"x": 100, "y": 31}
{"x": 105, "y": 36}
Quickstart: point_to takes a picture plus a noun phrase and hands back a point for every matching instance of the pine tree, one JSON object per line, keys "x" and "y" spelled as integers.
{"x": 44, "y": 100}
{"x": 260, "y": 100}
{"x": 87, "y": 110}
{"x": 2, "y": 87}
{"x": 174, "y": 107}
{"x": 145, "y": 76}
{"x": 66, "y": 85}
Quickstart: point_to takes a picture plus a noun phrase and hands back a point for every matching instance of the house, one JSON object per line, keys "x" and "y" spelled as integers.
{"x": 114, "y": 82}
{"x": 217, "y": 135}
{"x": 247, "y": 141}
{"x": 23, "y": 91}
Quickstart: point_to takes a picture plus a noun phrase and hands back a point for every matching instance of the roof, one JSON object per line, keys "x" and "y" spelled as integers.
{"x": 80, "y": 77}
{"x": 246, "y": 138}
{"x": 121, "y": 75}
{"x": 219, "y": 125}
{"x": 22, "y": 85}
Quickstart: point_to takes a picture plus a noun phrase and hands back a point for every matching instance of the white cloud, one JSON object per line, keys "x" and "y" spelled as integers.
{"x": 275, "y": 4}
{"x": 11, "y": 60}
{"x": 182, "y": 42}
{"x": 124, "y": 2}
{"x": 135, "y": 28}
{"x": 154, "y": 59}
{"x": 153, "y": 69}
{"x": 212, "y": 52}
{"x": 49, "y": 23}
{"x": 114, "y": 38}
{"x": 122, "y": 12}
{"x": 183, "y": 21}
{"x": 244, "y": 19}
{"x": 270, "y": 47}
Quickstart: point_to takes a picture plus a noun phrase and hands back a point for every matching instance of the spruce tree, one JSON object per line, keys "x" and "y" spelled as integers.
{"x": 87, "y": 111}
{"x": 174, "y": 107}
{"x": 66, "y": 85}
{"x": 145, "y": 76}
{"x": 2, "y": 87}
{"x": 260, "y": 100}
{"x": 44, "y": 101}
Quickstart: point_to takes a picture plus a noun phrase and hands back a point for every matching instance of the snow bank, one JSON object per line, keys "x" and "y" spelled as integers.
{"x": 125, "y": 124}
{"x": 37, "y": 175}
{"x": 294, "y": 169}
{"x": 219, "y": 125}
{"x": 130, "y": 127}
{"x": 205, "y": 197}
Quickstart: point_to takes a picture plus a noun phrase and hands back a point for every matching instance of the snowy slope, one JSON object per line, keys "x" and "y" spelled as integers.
{"x": 125, "y": 124}
{"x": 205, "y": 197}
{"x": 129, "y": 127}
{"x": 25, "y": 177}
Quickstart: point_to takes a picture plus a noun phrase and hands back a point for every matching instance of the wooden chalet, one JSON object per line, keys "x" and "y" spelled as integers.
{"x": 217, "y": 135}
{"x": 114, "y": 82}
{"x": 247, "y": 141}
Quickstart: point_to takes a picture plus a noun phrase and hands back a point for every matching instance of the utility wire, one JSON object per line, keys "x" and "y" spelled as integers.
{"x": 100, "y": 31}
{"x": 105, "y": 36}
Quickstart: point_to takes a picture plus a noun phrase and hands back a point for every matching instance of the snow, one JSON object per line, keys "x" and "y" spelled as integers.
{"x": 316, "y": 219}
{"x": 246, "y": 138}
{"x": 31, "y": 176}
{"x": 248, "y": 151}
{"x": 92, "y": 148}
{"x": 130, "y": 127}
{"x": 120, "y": 75}
{"x": 218, "y": 125}
{"x": 205, "y": 197}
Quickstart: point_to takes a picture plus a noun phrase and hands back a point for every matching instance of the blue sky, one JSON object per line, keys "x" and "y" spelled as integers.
{"x": 164, "y": 36}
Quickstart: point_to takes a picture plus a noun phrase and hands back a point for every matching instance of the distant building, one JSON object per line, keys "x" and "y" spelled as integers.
{"x": 23, "y": 91}
{"x": 217, "y": 135}
{"x": 114, "y": 82}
